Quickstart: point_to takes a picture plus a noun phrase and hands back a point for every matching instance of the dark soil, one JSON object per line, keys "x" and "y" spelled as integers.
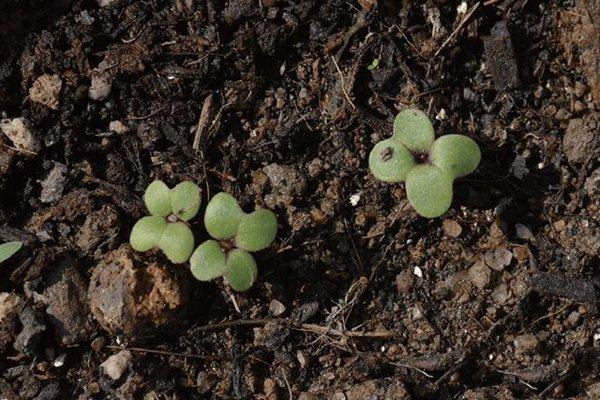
{"x": 279, "y": 103}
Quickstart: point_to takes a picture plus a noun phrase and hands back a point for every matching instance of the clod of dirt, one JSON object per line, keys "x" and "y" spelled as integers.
{"x": 489, "y": 393}
{"x": 579, "y": 35}
{"x": 526, "y": 343}
{"x": 117, "y": 364}
{"x": 405, "y": 281}
{"x": 33, "y": 327}
{"x": 10, "y": 306}
{"x": 65, "y": 299}
{"x": 100, "y": 227}
{"x": 390, "y": 388}
{"x": 498, "y": 259}
{"x": 101, "y": 85}
{"x": 6, "y": 158}
{"x": 133, "y": 295}
{"x": 46, "y": 90}
{"x": 286, "y": 183}
{"x": 54, "y": 184}
{"x": 592, "y": 184}
{"x": 582, "y": 142}
{"x": 500, "y": 56}
{"x": 479, "y": 274}
{"x": 20, "y": 134}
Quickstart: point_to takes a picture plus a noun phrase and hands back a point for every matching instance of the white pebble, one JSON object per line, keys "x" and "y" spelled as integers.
{"x": 418, "y": 272}
{"x": 19, "y": 133}
{"x": 115, "y": 365}
{"x": 354, "y": 199}
{"x": 101, "y": 85}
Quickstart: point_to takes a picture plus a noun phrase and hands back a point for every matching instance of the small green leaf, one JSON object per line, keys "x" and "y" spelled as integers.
{"x": 429, "y": 190}
{"x": 373, "y": 64}
{"x": 222, "y": 216}
{"x": 241, "y": 270}
{"x": 146, "y": 233}
{"x": 208, "y": 261}
{"x": 7, "y": 250}
{"x": 413, "y": 129}
{"x": 456, "y": 154}
{"x": 257, "y": 230}
{"x": 390, "y": 161}
{"x": 177, "y": 242}
{"x": 158, "y": 199}
{"x": 185, "y": 200}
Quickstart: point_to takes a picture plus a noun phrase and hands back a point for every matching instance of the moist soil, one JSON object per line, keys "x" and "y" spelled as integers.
{"x": 279, "y": 103}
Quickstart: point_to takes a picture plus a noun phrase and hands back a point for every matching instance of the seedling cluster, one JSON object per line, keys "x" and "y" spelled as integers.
{"x": 236, "y": 232}
{"x": 166, "y": 228}
{"x": 428, "y": 166}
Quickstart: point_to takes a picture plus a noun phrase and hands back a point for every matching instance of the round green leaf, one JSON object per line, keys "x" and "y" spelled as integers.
{"x": 8, "y": 249}
{"x": 185, "y": 200}
{"x": 429, "y": 190}
{"x": 390, "y": 161}
{"x": 222, "y": 216}
{"x": 177, "y": 242}
{"x": 241, "y": 270}
{"x": 414, "y": 130}
{"x": 158, "y": 199}
{"x": 208, "y": 261}
{"x": 146, "y": 233}
{"x": 257, "y": 230}
{"x": 457, "y": 154}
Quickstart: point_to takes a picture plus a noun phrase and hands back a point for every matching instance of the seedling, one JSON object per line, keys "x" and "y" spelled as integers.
{"x": 237, "y": 233}
{"x": 7, "y": 250}
{"x": 166, "y": 228}
{"x": 428, "y": 166}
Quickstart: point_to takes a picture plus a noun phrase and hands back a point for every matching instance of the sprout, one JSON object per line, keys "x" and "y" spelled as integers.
{"x": 225, "y": 221}
{"x": 166, "y": 227}
{"x": 7, "y": 250}
{"x": 428, "y": 166}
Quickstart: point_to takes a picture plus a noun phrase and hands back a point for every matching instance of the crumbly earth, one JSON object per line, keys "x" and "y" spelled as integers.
{"x": 279, "y": 103}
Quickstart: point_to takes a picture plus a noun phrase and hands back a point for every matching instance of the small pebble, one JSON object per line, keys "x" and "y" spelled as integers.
{"x": 276, "y": 308}
{"x": 46, "y": 90}
{"x": 118, "y": 127}
{"x": 117, "y": 364}
{"x": 418, "y": 272}
{"x": 524, "y": 232}
{"x": 525, "y": 343}
{"x": 98, "y": 344}
{"x": 479, "y": 274}
{"x": 498, "y": 259}
{"x": 20, "y": 134}
{"x": 101, "y": 85}
{"x": 452, "y": 228}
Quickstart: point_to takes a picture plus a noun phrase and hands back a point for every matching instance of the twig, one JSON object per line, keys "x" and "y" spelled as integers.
{"x": 202, "y": 121}
{"x": 297, "y": 326}
{"x": 287, "y": 383}
{"x": 343, "y": 82}
{"x": 137, "y": 118}
{"x": 164, "y": 353}
{"x": 458, "y": 29}
{"x": 519, "y": 379}
{"x": 410, "y": 367}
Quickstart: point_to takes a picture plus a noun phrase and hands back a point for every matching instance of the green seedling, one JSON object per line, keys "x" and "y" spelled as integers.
{"x": 237, "y": 234}
{"x": 428, "y": 166}
{"x": 166, "y": 228}
{"x": 7, "y": 250}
